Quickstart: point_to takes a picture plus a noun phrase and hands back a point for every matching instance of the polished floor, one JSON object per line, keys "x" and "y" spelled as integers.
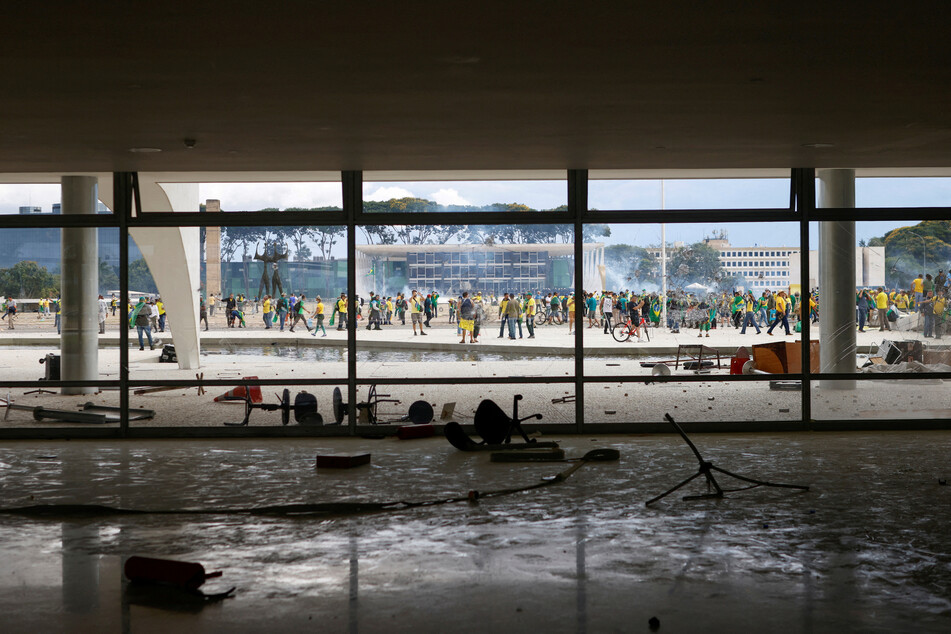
{"x": 865, "y": 550}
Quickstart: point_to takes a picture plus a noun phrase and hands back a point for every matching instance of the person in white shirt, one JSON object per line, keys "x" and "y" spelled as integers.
{"x": 607, "y": 309}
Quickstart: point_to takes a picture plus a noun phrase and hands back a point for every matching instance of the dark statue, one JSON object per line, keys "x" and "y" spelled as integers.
{"x": 272, "y": 254}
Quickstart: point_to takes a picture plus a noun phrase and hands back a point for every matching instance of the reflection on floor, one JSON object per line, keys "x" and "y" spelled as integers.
{"x": 864, "y": 550}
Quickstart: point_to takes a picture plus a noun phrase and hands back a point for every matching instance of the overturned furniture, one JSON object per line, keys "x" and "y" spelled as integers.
{"x": 496, "y": 428}
{"x": 419, "y": 413}
{"x": 304, "y": 408}
{"x": 707, "y": 468}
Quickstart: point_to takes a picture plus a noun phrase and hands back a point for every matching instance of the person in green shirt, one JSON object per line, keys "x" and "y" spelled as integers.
{"x": 737, "y": 306}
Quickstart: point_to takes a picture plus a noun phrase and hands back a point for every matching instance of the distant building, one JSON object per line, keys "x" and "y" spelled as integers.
{"x": 759, "y": 268}
{"x": 30, "y": 210}
{"x": 496, "y": 269}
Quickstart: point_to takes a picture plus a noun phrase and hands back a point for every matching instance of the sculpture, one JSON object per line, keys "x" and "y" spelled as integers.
{"x": 272, "y": 254}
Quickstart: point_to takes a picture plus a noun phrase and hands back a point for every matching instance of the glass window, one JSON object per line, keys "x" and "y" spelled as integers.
{"x": 468, "y": 192}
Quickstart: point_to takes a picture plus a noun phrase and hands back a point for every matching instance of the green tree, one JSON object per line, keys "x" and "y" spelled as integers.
{"x": 108, "y": 277}
{"x": 630, "y": 266}
{"x": 140, "y": 277}
{"x": 697, "y": 262}
{"x": 326, "y": 236}
{"x": 28, "y": 279}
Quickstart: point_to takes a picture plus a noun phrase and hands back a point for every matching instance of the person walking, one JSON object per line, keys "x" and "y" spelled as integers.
{"x": 467, "y": 317}
{"x": 230, "y": 306}
{"x": 103, "y": 311}
{"x": 781, "y": 315}
{"x": 202, "y": 313}
{"x": 607, "y": 310}
{"x": 513, "y": 310}
{"x": 750, "y": 316}
{"x": 140, "y": 319}
{"x": 428, "y": 308}
{"x": 318, "y": 316}
{"x": 342, "y": 307}
{"x": 530, "y": 315}
{"x": 160, "y": 309}
{"x": 266, "y": 310}
{"x": 502, "y": 317}
{"x": 298, "y": 312}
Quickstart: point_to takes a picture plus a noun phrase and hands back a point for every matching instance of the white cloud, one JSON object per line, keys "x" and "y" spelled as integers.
{"x": 387, "y": 193}
{"x": 254, "y": 196}
{"x": 12, "y": 197}
{"x": 448, "y": 196}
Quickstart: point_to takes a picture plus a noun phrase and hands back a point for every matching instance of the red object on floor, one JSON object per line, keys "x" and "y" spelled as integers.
{"x": 342, "y": 461}
{"x": 736, "y": 365}
{"x": 238, "y": 393}
{"x": 178, "y": 573}
{"x": 407, "y": 432}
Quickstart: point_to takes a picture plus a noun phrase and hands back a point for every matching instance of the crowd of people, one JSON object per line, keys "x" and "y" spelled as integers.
{"x": 519, "y": 313}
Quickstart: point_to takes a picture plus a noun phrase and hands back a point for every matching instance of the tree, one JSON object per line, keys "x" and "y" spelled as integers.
{"x": 629, "y": 266}
{"x": 108, "y": 276}
{"x": 697, "y": 262}
{"x": 302, "y": 253}
{"x": 140, "y": 277}
{"x": 326, "y": 236}
{"x": 237, "y": 239}
{"x": 378, "y": 234}
{"x": 28, "y": 279}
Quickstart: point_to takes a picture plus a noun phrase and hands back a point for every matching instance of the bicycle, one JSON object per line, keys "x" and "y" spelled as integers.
{"x": 548, "y": 317}
{"x": 622, "y": 331}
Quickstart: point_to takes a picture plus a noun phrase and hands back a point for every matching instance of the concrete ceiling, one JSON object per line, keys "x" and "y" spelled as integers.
{"x": 483, "y": 85}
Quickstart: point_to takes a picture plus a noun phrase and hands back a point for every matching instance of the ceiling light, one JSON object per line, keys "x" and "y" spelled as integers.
{"x": 818, "y": 145}
{"x": 145, "y": 150}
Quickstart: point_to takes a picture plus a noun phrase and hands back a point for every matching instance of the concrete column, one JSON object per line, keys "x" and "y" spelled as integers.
{"x": 213, "y": 252}
{"x": 79, "y": 343}
{"x": 836, "y": 279}
{"x": 172, "y": 254}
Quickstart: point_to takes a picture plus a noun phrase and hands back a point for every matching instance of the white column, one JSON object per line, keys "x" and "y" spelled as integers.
{"x": 172, "y": 254}
{"x": 79, "y": 343}
{"x": 836, "y": 279}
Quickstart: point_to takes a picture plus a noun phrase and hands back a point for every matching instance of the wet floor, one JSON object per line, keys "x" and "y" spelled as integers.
{"x": 866, "y": 549}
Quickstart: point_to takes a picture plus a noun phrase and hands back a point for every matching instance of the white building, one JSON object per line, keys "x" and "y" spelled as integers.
{"x": 759, "y": 268}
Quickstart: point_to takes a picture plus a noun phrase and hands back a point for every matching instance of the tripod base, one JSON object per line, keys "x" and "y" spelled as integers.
{"x": 707, "y": 468}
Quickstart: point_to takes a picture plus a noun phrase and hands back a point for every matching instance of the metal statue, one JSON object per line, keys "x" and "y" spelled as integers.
{"x": 272, "y": 254}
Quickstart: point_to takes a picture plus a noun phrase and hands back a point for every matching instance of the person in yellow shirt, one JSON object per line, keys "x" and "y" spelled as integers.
{"x": 881, "y": 303}
{"x": 318, "y": 316}
{"x": 781, "y": 317}
{"x": 211, "y": 305}
{"x": 342, "y": 312}
{"x": 530, "y": 315}
{"x": 266, "y": 309}
{"x": 160, "y": 307}
{"x": 918, "y": 288}
{"x": 901, "y": 300}
{"x": 502, "y": 318}
{"x": 570, "y": 302}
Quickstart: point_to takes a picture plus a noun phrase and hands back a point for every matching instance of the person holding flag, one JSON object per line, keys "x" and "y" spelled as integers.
{"x": 139, "y": 318}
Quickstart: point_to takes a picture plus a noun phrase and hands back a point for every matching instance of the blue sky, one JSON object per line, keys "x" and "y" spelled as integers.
{"x": 603, "y": 194}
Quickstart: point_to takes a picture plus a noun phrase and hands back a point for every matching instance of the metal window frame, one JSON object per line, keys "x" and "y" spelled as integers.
{"x": 128, "y": 213}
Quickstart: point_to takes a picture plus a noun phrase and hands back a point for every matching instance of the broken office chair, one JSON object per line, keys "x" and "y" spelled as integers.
{"x": 495, "y": 427}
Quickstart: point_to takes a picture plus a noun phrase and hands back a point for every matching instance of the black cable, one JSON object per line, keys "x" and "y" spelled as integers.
{"x": 300, "y": 510}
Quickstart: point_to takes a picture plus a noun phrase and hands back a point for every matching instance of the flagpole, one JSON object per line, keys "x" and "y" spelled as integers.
{"x": 663, "y": 262}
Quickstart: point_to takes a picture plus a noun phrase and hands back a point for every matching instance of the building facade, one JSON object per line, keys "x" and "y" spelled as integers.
{"x": 493, "y": 269}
